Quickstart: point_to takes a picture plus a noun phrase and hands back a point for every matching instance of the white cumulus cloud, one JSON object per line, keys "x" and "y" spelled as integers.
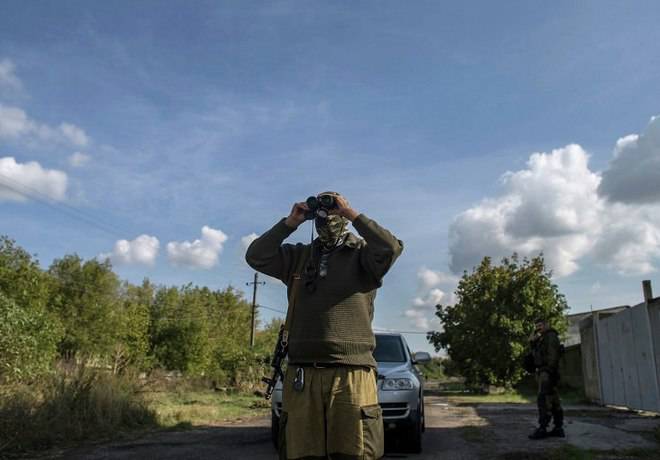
{"x": 142, "y": 250}
{"x": 248, "y": 239}
{"x": 551, "y": 207}
{"x": 430, "y": 278}
{"x": 633, "y": 175}
{"x": 559, "y": 207}
{"x": 201, "y": 253}
{"x": 15, "y": 124}
{"x": 418, "y": 319}
{"x": 428, "y": 302}
{"x": 630, "y": 240}
{"x": 421, "y": 312}
{"x": 20, "y": 181}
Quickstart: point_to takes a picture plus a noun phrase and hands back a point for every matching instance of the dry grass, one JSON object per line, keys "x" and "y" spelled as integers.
{"x": 204, "y": 407}
{"x": 69, "y": 408}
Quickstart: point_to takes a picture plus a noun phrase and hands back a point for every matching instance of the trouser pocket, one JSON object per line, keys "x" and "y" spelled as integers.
{"x": 373, "y": 437}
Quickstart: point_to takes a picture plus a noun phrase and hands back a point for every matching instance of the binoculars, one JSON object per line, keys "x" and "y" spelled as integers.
{"x": 319, "y": 206}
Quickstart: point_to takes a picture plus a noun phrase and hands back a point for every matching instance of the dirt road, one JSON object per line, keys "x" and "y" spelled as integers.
{"x": 485, "y": 431}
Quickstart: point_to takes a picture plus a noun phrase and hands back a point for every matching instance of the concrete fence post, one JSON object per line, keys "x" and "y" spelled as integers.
{"x": 648, "y": 291}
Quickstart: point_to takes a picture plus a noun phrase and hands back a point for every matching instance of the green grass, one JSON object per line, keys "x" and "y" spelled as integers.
{"x": 204, "y": 407}
{"x": 457, "y": 393}
{"x": 503, "y": 398}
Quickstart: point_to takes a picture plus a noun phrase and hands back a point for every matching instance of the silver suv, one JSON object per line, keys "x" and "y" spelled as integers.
{"x": 400, "y": 392}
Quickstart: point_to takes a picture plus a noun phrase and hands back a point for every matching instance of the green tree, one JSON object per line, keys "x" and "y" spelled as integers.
{"x": 21, "y": 278}
{"x": 28, "y": 333}
{"x": 131, "y": 347}
{"x": 180, "y": 329}
{"x": 28, "y": 341}
{"x": 86, "y": 298}
{"x": 486, "y": 331}
{"x": 266, "y": 338}
{"x": 435, "y": 369}
{"x": 234, "y": 362}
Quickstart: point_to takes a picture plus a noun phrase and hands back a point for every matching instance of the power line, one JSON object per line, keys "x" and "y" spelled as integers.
{"x": 70, "y": 211}
{"x": 272, "y": 309}
{"x": 29, "y": 192}
{"x": 76, "y": 214}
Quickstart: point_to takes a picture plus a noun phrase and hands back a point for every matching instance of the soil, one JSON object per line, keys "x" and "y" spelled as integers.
{"x": 454, "y": 431}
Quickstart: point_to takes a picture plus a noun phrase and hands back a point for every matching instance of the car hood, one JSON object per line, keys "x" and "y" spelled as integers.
{"x": 387, "y": 369}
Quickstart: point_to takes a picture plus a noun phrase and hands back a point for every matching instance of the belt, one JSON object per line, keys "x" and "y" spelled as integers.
{"x": 318, "y": 365}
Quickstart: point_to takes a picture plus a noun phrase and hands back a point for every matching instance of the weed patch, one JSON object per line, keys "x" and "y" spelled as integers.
{"x": 204, "y": 407}
{"x": 68, "y": 409}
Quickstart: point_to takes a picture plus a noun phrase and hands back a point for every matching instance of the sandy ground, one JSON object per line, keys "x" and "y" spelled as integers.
{"x": 485, "y": 431}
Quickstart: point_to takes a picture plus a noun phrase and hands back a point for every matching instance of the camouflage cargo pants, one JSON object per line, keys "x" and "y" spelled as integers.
{"x": 336, "y": 415}
{"x": 548, "y": 400}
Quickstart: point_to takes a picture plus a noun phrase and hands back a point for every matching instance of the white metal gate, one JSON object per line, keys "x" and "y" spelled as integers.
{"x": 628, "y": 346}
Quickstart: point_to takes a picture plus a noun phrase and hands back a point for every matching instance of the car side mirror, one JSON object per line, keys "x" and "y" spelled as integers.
{"x": 421, "y": 357}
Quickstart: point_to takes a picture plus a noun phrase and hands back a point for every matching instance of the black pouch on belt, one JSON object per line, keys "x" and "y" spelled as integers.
{"x": 299, "y": 381}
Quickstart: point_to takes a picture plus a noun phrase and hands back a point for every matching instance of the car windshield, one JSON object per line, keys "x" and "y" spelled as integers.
{"x": 389, "y": 349}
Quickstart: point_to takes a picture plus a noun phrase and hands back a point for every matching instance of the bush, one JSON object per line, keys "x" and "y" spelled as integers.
{"x": 28, "y": 341}
{"x": 241, "y": 369}
{"x": 71, "y": 407}
{"x": 434, "y": 370}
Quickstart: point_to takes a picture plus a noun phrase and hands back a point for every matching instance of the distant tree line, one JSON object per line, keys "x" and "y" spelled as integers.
{"x": 80, "y": 311}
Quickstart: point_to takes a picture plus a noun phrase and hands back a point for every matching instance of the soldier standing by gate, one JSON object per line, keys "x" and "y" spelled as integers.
{"x": 546, "y": 350}
{"x": 330, "y": 400}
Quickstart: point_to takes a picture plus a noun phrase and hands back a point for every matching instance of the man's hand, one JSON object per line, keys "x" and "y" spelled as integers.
{"x": 344, "y": 209}
{"x": 297, "y": 215}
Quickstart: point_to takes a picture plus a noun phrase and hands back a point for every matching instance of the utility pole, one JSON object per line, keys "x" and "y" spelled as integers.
{"x": 254, "y": 306}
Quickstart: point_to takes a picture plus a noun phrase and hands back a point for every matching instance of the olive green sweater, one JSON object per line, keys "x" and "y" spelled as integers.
{"x": 333, "y": 323}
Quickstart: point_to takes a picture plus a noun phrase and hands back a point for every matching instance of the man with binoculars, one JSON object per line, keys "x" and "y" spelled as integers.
{"x": 330, "y": 401}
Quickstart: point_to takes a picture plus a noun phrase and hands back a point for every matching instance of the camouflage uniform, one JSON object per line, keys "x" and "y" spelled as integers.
{"x": 546, "y": 350}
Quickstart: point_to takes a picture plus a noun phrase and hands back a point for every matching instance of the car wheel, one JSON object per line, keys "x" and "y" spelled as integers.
{"x": 275, "y": 429}
{"x": 423, "y": 415}
{"x": 414, "y": 434}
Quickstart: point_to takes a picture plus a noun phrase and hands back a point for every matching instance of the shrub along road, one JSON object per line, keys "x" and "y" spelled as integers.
{"x": 455, "y": 430}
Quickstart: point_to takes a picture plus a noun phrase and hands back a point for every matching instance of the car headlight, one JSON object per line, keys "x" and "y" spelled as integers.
{"x": 397, "y": 384}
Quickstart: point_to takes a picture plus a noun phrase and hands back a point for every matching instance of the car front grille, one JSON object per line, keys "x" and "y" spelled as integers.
{"x": 390, "y": 410}
{"x": 394, "y": 410}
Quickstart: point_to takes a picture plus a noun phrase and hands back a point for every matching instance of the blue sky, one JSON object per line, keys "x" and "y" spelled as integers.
{"x": 161, "y": 118}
